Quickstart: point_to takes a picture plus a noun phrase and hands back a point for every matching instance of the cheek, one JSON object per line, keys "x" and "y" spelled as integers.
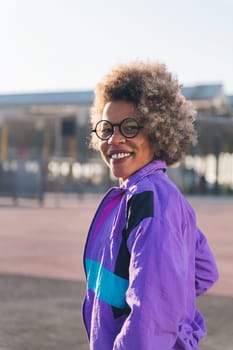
{"x": 103, "y": 149}
{"x": 101, "y": 146}
{"x": 141, "y": 142}
{"x": 147, "y": 149}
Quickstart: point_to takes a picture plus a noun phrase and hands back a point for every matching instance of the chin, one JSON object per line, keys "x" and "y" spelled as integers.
{"x": 121, "y": 177}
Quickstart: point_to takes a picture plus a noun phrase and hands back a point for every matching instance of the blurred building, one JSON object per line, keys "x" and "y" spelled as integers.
{"x": 44, "y": 144}
{"x": 208, "y": 99}
{"x": 210, "y": 163}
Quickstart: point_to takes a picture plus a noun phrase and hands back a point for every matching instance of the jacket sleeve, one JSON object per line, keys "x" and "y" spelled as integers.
{"x": 206, "y": 273}
{"x": 158, "y": 277}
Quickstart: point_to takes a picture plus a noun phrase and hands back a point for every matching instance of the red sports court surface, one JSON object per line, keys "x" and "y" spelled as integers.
{"x": 48, "y": 241}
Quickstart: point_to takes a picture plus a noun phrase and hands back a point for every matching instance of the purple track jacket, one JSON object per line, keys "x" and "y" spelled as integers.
{"x": 146, "y": 261}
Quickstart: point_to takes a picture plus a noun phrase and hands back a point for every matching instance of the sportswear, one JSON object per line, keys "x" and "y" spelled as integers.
{"x": 146, "y": 261}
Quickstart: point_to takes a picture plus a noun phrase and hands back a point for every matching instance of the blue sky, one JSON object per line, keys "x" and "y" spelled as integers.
{"x": 60, "y": 45}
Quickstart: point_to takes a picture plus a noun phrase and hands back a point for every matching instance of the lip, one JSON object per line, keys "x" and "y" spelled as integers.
{"x": 119, "y": 155}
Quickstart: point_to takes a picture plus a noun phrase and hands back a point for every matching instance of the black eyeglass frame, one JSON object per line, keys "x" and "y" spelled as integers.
{"x": 112, "y": 125}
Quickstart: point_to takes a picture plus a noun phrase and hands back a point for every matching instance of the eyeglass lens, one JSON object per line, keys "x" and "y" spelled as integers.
{"x": 128, "y": 128}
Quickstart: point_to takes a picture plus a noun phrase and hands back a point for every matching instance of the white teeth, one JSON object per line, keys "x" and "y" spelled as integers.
{"x": 119, "y": 155}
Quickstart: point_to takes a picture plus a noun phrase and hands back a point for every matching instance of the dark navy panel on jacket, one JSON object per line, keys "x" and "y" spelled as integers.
{"x": 139, "y": 207}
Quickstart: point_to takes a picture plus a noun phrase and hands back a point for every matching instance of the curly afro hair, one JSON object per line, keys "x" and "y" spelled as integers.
{"x": 167, "y": 117}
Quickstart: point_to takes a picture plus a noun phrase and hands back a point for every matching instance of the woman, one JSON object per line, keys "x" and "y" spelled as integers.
{"x": 145, "y": 258}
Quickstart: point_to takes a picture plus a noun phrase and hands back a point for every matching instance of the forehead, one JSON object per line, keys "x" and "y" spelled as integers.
{"x": 115, "y": 111}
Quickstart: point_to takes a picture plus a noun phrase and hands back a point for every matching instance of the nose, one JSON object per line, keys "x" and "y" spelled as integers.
{"x": 117, "y": 137}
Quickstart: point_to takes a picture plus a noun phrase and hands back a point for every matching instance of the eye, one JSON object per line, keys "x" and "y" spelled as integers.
{"x": 130, "y": 127}
{"x": 104, "y": 129}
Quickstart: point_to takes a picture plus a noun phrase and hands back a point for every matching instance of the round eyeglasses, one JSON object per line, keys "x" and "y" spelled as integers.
{"x": 128, "y": 128}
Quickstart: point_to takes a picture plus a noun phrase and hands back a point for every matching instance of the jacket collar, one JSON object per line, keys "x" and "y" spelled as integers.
{"x": 150, "y": 168}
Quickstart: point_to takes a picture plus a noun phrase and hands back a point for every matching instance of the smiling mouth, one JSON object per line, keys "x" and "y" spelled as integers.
{"x": 120, "y": 155}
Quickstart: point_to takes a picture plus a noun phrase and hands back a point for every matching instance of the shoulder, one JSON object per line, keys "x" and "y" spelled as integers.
{"x": 157, "y": 195}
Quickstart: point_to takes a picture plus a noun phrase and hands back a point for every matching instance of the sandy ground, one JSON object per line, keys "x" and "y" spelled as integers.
{"x": 42, "y": 279}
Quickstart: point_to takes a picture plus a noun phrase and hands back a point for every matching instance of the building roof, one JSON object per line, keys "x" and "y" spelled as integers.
{"x": 47, "y": 98}
{"x": 198, "y": 92}
{"x": 203, "y": 92}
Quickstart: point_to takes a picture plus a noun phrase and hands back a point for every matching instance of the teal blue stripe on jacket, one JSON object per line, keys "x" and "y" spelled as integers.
{"x": 107, "y": 286}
